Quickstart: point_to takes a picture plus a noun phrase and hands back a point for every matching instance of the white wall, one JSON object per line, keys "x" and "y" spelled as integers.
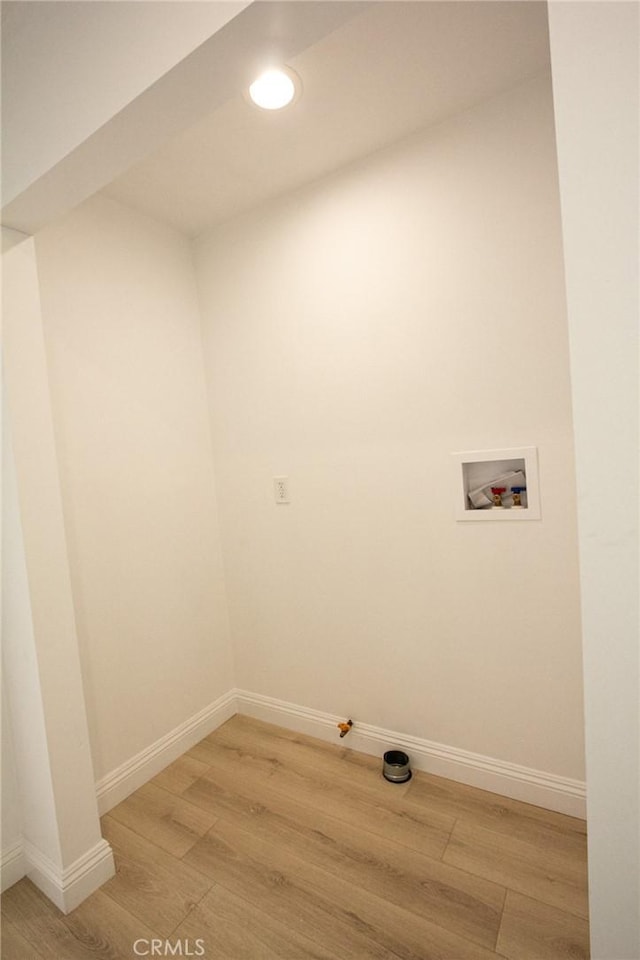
{"x": 11, "y": 822}
{"x": 356, "y": 333}
{"x": 595, "y": 56}
{"x": 64, "y": 852}
{"x": 10, "y": 816}
{"x": 21, "y": 689}
{"x": 128, "y": 394}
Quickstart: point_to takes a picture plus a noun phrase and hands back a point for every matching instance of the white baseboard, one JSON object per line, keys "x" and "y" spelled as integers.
{"x": 69, "y": 887}
{"x": 12, "y": 865}
{"x": 132, "y": 774}
{"x": 497, "y": 776}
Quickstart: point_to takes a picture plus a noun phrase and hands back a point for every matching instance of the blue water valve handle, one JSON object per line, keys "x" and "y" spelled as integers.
{"x": 518, "y": 489}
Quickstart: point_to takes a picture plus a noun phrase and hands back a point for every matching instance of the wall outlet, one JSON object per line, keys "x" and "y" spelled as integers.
{"x": 281, "y": 489}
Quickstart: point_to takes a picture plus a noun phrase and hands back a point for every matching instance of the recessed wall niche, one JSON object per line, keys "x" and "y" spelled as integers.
{"x": 497, "y": 485}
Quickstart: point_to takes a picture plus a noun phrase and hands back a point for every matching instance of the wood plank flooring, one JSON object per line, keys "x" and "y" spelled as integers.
{"x": 261, "y": 843}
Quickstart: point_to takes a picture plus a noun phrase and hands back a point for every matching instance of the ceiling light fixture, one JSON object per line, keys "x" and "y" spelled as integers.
{"x": 276, "y": 88}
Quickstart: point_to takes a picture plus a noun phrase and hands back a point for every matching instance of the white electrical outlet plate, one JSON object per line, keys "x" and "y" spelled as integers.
{"x": 281, "y": 489}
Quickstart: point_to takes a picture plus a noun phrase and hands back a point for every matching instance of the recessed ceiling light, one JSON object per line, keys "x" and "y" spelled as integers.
{"x": 275, "y": 88}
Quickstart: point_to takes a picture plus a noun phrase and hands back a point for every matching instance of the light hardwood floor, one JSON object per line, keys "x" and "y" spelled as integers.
{"x": 262, "y": 843}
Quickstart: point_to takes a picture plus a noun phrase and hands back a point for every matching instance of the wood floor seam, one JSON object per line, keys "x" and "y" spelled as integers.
{"x": 442, "y": 856}
{"x": 543, "y": 903}
{"x": 504, "y": 901}
{"x": 193, "y": 907}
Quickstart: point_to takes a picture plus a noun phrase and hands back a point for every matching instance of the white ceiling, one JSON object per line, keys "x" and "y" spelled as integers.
{"x": 69, "y": 66}
{"x": 392, "y": 69}
{"x": 91, "y": 88}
